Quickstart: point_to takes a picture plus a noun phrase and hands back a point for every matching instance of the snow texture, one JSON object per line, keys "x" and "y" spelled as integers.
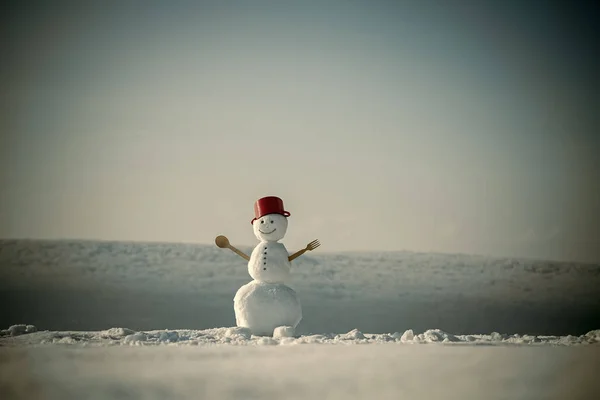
{"x": 283, "y": 332}
{"x": 262, "y": 307}
{"x": 521, "y": 329}
{"x": 230, "y": 363}
{"x": 241, "y": 336}
{"x": 345, "y": 372}
{"x": 86, "y": 285}
{"x": 270, "y": 227}
{"x": 267, "y": 303}
{"x": 269, "y": 263}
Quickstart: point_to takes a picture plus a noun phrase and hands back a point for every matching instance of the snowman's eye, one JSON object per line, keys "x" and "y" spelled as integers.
{"x": 271, "y": 221}
{"x": 262, "y": 222}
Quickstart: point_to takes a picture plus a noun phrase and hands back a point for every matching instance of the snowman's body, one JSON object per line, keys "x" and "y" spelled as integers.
{"x": 269, "y": 262}
{"x": 262, "y": 307}
{"x": 267, "y": 302}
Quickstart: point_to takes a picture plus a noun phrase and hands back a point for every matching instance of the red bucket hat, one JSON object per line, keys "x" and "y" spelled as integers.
{"x": 268, "y": 205}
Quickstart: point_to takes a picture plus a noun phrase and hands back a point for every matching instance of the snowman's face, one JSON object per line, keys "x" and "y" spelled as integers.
{"x": 270, "y": 227}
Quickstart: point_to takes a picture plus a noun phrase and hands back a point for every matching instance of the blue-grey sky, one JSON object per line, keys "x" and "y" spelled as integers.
{"x": 449, "y": 126}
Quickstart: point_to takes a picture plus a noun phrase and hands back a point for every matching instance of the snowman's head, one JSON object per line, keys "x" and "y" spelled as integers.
{"x": 270, "y": 227}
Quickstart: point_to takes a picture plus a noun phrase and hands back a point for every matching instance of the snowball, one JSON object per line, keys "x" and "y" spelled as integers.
{"x": 269, "y": 263}
{"x": 16, "y": 330}
{"x": 284, "y": 332}
{"x": 270, "y": 227}
{"x": 262, "y": 307}
{"x": 407, "y": 336}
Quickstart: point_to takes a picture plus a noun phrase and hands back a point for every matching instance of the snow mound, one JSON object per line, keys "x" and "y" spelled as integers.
{"x": 19, "y": 335}
{"x": 19, "y": 329}
{"x": 122, "y": 284}
{"x": 115, "y": 333}
{"x": 283, "y": 332}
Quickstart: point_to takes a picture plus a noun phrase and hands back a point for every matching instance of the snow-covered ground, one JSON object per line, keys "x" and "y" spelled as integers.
{"x": 127, "y": 320}
{"x": 386, "y": 371}
{"x": 27, "y": 335}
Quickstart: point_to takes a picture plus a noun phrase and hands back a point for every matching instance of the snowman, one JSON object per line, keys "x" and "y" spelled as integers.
{"x": 266, "y": 305}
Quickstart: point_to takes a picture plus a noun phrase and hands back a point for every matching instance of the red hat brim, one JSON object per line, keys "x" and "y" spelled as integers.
{"x": 285, "y": 214}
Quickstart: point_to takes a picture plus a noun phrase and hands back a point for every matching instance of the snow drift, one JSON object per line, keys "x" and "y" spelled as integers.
{"x": 504, "y": 328}
{"x": 84, "y": 285}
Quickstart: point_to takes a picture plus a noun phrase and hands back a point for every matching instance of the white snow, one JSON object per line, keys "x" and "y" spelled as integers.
{"x": 262, "y": 307}
{"x": 94, "y": 285}
{"x": 230, "y": 363}
{"x": 267, "y": 302}
{"x": 19, "y": 329}
{"x": 385, "y": 326}
{"x": 311, "y": 371}
{"x": 269, "y": 263}
{"x": 270, "y": 227}
{"x": 284, "y": 332}
{"x": 241, "y": 336}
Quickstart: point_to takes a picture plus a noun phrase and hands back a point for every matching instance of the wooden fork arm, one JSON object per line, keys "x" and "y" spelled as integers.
{"x": 297, "y": 254}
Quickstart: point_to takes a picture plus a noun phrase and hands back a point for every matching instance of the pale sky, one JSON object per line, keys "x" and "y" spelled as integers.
{"x": 461, "y": 127}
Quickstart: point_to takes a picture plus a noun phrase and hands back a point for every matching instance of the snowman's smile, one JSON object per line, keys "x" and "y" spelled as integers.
{"x": 267, "y": 233}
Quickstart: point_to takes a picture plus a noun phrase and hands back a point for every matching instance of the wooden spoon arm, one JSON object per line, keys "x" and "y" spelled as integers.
{"x": 297, "y": 254}
{"x": 239, "y": 253}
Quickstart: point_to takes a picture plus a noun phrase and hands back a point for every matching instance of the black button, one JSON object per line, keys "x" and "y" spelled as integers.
{"x": 265, "y": 269}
